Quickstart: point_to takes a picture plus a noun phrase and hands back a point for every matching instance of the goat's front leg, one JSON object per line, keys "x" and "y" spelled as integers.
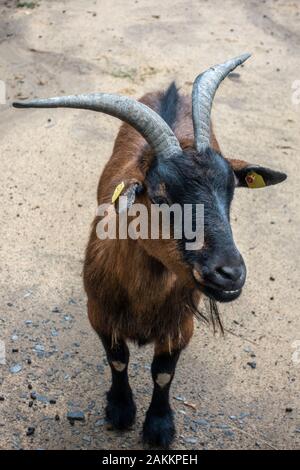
{"x": 159, "y": 427}
{"x": 120, "y": 409}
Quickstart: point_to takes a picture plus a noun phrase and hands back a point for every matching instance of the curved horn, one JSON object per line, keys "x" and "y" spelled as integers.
{"x": 204, "y": 89}
{"x": 152, "y": 127}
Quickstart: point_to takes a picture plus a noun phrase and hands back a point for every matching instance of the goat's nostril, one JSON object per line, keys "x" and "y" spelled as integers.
{"x": 229, "y": 272}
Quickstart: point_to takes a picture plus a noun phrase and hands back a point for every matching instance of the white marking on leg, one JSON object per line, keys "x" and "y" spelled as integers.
{"x": 119, "y": 366}
{"x": 163, "y": 379}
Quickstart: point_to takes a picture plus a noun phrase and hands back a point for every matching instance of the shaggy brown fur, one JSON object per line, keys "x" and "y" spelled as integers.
{"x": 130, "y": 292}
{"x": 131, "y": 286}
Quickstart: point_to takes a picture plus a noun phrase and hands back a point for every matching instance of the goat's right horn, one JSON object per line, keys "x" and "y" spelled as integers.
{"x": 146, "y": 121}
{"x": 204, "y": 89}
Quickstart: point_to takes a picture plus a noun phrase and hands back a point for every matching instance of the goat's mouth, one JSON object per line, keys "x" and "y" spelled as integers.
{"x": 216, "y": 292}
{"x": 221, "y": 295}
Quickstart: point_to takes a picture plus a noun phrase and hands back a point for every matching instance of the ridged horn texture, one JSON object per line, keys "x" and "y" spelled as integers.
{"x": 146, "y": 121}
{"x": 204, "y": 89}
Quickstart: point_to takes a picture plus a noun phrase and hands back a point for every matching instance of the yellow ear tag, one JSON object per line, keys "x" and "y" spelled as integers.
{"x": 254, "y": 180}
{"x": 118, "y": 190}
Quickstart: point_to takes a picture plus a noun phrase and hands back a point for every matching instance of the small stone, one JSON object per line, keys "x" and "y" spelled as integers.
{"x": 56, "y": 417}
{"x": 56, "y": 310}
{"x": 100, "y": 422}
{"x": 201, "y": 422}
{"x": 179, "y": 398}
{"x": 288, "y": 409}
{"x": 75, "y": 416}
{"x": 33, "y": 395}
{"x": 29, "y": 387}
{"x": 190, "y": 440}
{"x": 252, "y": 364}
{"x": 30, "y": 431}
{"x": 2, "y": 398}
{"x": 15, "y": 368}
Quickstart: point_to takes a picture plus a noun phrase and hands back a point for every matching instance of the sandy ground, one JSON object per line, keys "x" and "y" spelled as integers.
{"x": 49, "y": 166}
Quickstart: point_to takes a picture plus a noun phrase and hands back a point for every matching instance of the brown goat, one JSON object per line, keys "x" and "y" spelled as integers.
{"x": 146, "y": 290}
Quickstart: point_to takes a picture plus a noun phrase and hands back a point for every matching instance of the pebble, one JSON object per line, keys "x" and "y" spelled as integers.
{"x": 190, "y": 440}
{"x": 179, "y": 398}
{"x": 75, "y": 416}
{"x": 201, "y": 422}
{"x": 252, "y": 364}
{"x": 56, "y": 310}
{"x": 30, "y": 431}
{"x": 15, "y": 368}
{"x": 100, "y": 422}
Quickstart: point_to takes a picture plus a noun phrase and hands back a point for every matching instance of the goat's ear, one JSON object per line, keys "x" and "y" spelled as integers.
{"x": 254, "y": 176}
{"x": 125, "y": 193}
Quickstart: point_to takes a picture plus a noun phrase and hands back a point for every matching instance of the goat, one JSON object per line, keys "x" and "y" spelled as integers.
{"x": 146, "y": 290}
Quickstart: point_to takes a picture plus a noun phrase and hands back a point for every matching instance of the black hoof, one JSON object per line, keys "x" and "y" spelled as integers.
{"x": 120, "y": 414}
{"x": 159, "y": 430}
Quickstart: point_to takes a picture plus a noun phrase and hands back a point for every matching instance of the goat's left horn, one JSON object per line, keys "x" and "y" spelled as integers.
{"x": 204, "y": 89}
{"x": 146, "y": 121}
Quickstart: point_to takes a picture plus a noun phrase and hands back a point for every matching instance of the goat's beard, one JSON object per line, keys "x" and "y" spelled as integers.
{"x": 211, "y": 314}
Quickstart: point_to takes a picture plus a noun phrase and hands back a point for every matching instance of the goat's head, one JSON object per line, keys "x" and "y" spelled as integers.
{"x": 195, "y": 175}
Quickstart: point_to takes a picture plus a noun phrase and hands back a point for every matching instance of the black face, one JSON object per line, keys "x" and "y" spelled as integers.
{"x": 218, "y": 267}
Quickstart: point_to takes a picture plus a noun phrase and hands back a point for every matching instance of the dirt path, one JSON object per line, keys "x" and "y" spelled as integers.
{"x": 49, "y": 166}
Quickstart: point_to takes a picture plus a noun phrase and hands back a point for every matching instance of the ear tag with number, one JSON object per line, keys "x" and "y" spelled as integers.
{"x": 118, "y": 190}
{"x": 254, "y": 180}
